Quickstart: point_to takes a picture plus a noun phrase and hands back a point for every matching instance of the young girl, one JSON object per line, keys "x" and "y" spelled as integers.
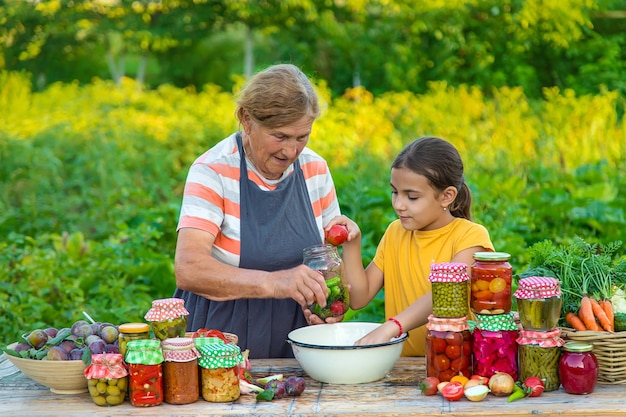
{"x": 432, "y": 201}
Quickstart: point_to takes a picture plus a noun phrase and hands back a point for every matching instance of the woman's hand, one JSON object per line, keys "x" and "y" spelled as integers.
{"x": 301, "y": 283}
{"x": 382, "y": 334}
{"x": 315, "y": 319}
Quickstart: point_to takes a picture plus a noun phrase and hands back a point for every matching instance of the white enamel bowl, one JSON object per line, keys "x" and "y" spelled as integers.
{"x": 326, "y": 352}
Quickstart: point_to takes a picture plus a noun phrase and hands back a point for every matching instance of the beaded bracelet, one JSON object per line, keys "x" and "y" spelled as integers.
{"x": 393, "y": 319}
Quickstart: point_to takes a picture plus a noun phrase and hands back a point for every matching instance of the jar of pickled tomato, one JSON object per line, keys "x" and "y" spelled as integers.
{"x": 491, "y": 277}
{"x": 168, "y": 318}
{"x": 539, "y": 354}
{"x": 493, "y": 345}
{"x": 448, "y": 348}
{"x": 539, "y": 303}
{"x": 107, "y": 379}
{"x": 219, "y": 365}
{"x": 578, "y": 368}
{"x": 145, "y": 370}
{"x": 450, "y": 289}
{"x": 132, "y": 331}
{"x": 180, "y": 370}
{"x": 326, "y": 260}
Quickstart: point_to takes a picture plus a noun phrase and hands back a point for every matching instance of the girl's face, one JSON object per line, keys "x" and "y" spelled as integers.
{"x": 418, "y": 205}
{"x": 273, "y": 150}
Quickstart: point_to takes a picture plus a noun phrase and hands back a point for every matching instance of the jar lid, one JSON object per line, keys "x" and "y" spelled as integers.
{"x": 550, "y": 338}
{"x": 106, "y": 365}
{"x": 220, "y": 355}
{"x": 578, "y": 347}
{"x": 458, "y": 324}
{"x": 134, "y": 328}
{"x": 144, "y": 351}
{"x": 166, "y": 308}
{"x": 496, "y": 322}
{"x": 179, "y": 349}
{"x": 492, "y": 256}
{"x": 538, "y": 287}
{"x": 448, "y": 272}
{"x": 203, "y": 341}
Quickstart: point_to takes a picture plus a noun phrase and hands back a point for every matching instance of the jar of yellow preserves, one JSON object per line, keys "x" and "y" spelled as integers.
{"x": 219, "y": 365}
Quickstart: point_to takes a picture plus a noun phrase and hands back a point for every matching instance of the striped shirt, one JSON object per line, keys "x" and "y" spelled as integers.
{"x": 211, "y": 195}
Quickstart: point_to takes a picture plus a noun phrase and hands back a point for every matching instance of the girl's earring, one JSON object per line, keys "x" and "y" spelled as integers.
{"x": 445, "y": 208}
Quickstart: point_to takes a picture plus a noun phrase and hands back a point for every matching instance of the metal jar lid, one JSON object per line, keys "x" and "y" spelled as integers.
{"x": 492, "y": 256}
{"x": 578, "y": 347}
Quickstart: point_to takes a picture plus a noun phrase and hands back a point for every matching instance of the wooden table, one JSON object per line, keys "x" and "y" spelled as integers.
{"x": 397, "y": 394}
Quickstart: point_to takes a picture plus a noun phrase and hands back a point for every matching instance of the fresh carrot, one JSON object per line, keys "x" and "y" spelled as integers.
{"x": 608, "y": 309}
{"x": 599, "y": 313}
{"x": 586, "y": 314}
{"x": 573, "y": 320}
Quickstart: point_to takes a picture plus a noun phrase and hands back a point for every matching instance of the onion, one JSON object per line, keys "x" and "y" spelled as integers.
{"x": 501, "y": 384}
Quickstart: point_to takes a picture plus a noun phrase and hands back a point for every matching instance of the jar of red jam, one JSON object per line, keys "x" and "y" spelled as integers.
{"x": 450, "y": 289}
{"x": 539, "y": 303}
{"x": 448, "y": 348}
{"x": 578, "y": 368}
{"x": 493, "y": 345}
{"x": 180, "y": 370}
{"x": 145, "y": 371}
{"x": 491, "y": 277}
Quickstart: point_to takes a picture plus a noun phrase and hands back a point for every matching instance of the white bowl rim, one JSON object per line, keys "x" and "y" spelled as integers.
{"x": 393, "y": 341}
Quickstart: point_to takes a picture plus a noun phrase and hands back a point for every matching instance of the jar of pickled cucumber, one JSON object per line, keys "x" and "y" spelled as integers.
{"x": 450, "y": 289}
{"x": 539, "y": 303}
{"x": 107, "y": 379}
{"x": 145, "y": 372}
{"x": 539, "y": 354}
{"x": 448, "y": 348}
{"x": 219, "y": 365}
{"x": 131, "y": 331}
{"x": 493, "y": 345}
{"x": 168, "y": 318}
{"x": 491, "y": 277}
{"x": 325, "y": 259}
{"x": 180, "y": 370}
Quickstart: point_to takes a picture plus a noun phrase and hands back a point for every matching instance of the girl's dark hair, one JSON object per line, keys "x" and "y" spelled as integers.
{"x": 439, "y": 161}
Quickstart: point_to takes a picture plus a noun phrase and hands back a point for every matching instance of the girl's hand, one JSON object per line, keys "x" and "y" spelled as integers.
{"x": 382, "y": 334}
{"x": 353, "y": 229}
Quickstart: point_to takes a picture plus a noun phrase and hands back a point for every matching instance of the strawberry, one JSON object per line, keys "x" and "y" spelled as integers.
{"x": 338, "y": 308}
{"x": 337, "y": 234}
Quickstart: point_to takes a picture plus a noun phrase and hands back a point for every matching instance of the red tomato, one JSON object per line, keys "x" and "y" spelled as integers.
{"x": 442, "y": 363}
{"x": 453, "y": 352}
{"x": 454, "y": 338}
{"x": 467, "y": 348}
{"x": 460, "y": 363}
{"x": 453, "y": 391}
{"x": 210, "y": 333}
{"x": 428, "y": 386}
{"x": 446, "y": 375}
{"x": 439, "y": 345}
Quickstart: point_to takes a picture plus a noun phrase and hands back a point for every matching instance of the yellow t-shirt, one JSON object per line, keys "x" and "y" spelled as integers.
{"x": 405, "y": 258}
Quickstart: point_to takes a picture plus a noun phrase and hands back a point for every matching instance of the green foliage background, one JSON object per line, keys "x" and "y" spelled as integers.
{"x": 91, "y": 179}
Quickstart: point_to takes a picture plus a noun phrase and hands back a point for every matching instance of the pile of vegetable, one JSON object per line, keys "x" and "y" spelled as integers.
{"x": 593, "y": 281}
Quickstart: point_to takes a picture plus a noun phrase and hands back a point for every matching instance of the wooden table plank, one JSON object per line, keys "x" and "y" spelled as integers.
{"x": 397, "y": 394}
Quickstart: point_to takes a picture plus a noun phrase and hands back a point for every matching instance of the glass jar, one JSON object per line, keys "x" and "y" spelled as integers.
{"x": 450, "y": 289}
{"x": 539, "y": 354}
{"x": 493, "y": 345}
{"x": 220, "y": 372}
{"x": 107, "y": 379}
{"x": 132, "y": 331}
{"x": 448, "y": 348}
{"x": 145, "y": 370}
{"x": 578, "y": 368}
{"x": 491, "y": 277}
{"x": 180, "y": 371}
{"x": 539, "y": 303}
{"x": 168, "y": 318}
{"x": 326, "y": 260}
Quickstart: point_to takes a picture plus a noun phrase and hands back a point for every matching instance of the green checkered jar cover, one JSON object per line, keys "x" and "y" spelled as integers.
{"x": 144, "y": 351}
{"x": 219, "y": 355}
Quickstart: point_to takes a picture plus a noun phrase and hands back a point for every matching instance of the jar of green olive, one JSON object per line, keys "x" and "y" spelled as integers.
{"x": 131, "y": 331}
{"x": 107, "y": 379}
{"x": 539, "y": 354}
{"x": 168, "y": 318}
{"x": 450, "y": 289}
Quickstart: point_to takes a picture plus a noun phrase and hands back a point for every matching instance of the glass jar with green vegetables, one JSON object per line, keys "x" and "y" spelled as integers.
{"x": 539, "y": 303}
{"x": 539, "y": 354}
{"x": 168, "y": 318}
{"x": 450, "y": 289}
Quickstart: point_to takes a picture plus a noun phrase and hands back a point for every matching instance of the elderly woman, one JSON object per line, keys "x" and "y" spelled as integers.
{"x": 251, "y": 204}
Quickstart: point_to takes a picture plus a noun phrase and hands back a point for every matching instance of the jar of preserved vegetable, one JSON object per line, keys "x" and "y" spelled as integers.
{"x": 220, "y": 372}
{"x": 326, "y": 260}
{"x": 450, "y": 289}
{"x": 145, "y": 371}
{"x": 494, "y": 348}
{"x": 131, "y": 331}
{"x": 539, "y": 303}
{"x": 578, "y": 368}
{"x": 448, "y": 348}
{"x": 107, "y": 379}
{"x": 491, "y": 277}
{"x": 180, "y": 370}
{"x": 168, "y": 318}
{"x": 539, "y": 354}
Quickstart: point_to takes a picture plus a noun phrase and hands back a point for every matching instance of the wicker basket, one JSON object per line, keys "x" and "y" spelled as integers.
{"x": 232, "y": 338}
{"x": 610, "y": 350}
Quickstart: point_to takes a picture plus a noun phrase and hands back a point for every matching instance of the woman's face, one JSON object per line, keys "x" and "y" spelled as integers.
{"x": 273, "y": 150}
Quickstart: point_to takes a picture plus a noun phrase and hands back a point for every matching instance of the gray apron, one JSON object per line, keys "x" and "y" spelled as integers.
{"x": 275, "y": 227}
